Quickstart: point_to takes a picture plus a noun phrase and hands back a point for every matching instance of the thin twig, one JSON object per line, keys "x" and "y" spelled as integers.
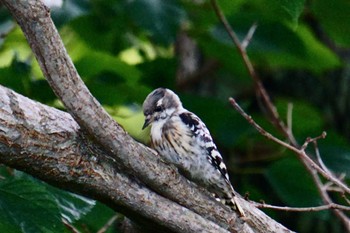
{"x": 303, "y": 209}
{"x": 346, "y": 199}
{"x": 327, "y": 199}
{"x": 319, "y": 159}
{"x": 290, "y": 117}
{"x": 300, "y": 152}
{"x": 261, "y": 92}
{"x": 330, "y": 187}
{"x": 259, "y": 87}
{"x": 313, "y": 140}
{"x": 249, "y": 36}
{"x": 259, "y": 128}
{"x": 69, "y": 226}
{"x": 108, "y": 223}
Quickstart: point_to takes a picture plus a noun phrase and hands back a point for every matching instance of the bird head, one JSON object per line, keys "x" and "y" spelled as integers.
{"x": 159, "y": 105}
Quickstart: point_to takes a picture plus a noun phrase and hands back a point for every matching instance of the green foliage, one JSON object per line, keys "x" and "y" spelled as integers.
{"x": 25, "y": 205}
{"x": 285, "y": 177}
{"x": 293, "y": 8}
{"x": 159, "y": 18}
{"x": 33, "y": 206}
{"x": 334, "y": 18}
{"x": 124, "y": 49}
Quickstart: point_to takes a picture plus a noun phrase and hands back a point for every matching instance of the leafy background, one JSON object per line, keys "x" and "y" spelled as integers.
{"x": 124, "y": 49}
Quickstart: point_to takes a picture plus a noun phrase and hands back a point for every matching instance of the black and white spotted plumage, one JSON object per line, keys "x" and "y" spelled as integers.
{"x": 182, "y": 139}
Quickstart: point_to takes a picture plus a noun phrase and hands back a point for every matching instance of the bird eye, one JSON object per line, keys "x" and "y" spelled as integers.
{"x": 158, "y": 109}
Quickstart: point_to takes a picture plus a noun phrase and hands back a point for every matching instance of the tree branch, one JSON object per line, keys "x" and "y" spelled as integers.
{"x": 259, "y": 87}
{"x": 310, "y": 165}
{"x": 49, "y": 144}
{"x": 135, "y": 158}
{"x": 125, "y": 175}
{"x": 313, "y": 168}
{"x": 304, "y": 209}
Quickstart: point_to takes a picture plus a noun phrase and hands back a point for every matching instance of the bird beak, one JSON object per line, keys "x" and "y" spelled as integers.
{"x": 148, "y": 121}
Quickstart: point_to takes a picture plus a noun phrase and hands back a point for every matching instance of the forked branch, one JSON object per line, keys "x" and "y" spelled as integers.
{"x": 312, "y": 167}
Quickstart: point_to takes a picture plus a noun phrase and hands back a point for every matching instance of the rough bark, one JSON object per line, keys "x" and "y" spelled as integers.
{"x": 49, "y": 144}
{"x": 111, "y": 167}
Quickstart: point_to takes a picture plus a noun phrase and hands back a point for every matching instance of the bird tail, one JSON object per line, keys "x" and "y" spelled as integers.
{"x": 233, "y": 203}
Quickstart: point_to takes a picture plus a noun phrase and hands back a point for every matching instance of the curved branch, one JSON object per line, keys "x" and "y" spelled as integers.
{"x": 135, "y": 158}
{"x": 49, "y": 144}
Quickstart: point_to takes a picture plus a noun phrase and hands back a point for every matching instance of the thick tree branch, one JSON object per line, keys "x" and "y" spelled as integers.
{"x": 48, "y": 144}
{"x": 130, "y": 158}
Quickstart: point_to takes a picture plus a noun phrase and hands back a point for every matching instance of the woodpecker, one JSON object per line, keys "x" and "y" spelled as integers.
{"x": 182, "y": 139}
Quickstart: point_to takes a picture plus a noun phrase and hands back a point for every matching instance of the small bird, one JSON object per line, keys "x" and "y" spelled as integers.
{"x": 182, "y": 139}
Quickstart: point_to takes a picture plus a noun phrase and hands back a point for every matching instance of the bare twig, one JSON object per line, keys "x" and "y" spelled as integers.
{"x": 109, "y": 223}
{"x": 327, "y": 199}
{"x": 319, "y": 159}
{"x": 259, "y": 87}
{"x": 69, "y": 226}
{"x": 310, "y": 165}
{"x": 313, "y": 140}
{"x": 249, "y": 36}
{"x": 290, "y": 118}
{"x": 300, "y": 152}
{"x": 259, "y": 128}
{"x": 346, "y": 199}
{"x": 261, "y": 91}
{"x": 303, "y": 209}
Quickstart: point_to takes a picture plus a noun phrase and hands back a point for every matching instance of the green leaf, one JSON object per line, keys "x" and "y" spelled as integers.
{"x": 335, "y": 153}
{"x": 334, "y": 18}
{"x": 6, "y": 226}
{"x": 219, "y": 47}
{"x": 117, "y": 94}
{"x": 292, "y": 183}
{"x": 318, "y": 56}
{"x": 132, "y": 119}
{"x": 162, "y": 19}
{"x": 16, "y": 76}
{"x": 224, "y": 123}
{"x": 72, "y": 206}
{"x": 293, "y": 8}
{"x": 109, "y": 35}
{"x": 96, "y": 219}
{"x": 274, "y": 44}
{"x": 306, "y": 119}
{"x": 28, "y": 207}
{"x": 155, "y": 77}
{"x": 45, "y": 95}
{"x": 336, "y": 158}
{"x": 15, "y": 46}
{"x": 94, "y": 63}
{"x": 295, "y": 49}
{"x": 70, "y": 9}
